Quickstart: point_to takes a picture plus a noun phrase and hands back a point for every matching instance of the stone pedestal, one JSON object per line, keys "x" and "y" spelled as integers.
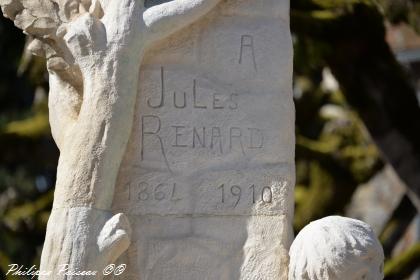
{"x": 208, "y": 175}
{"x": 175, "y": 124}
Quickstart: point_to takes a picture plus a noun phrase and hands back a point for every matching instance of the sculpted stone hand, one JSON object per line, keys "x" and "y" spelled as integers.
{"x": 94, "y": 51}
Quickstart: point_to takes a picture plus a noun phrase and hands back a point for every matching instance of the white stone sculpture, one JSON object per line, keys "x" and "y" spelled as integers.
{"x": 336, "y": 248}
{"x": 94, "y": 50}
{"x": 181, "y": 144}
{"x": 208, "y": 176}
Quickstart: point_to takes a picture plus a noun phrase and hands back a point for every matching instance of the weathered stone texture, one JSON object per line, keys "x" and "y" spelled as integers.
{"x": 208, "y": 176}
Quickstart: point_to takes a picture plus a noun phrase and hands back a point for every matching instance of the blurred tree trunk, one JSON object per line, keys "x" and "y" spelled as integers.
{"x": 397, "y": 225}
{"x": 403, "y": 266}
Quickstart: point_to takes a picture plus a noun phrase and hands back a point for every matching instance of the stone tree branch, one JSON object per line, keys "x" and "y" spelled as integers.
{"x": 94, "y": 52}
{"x": 162, "y": 20}
{"x": 82, "y": 232}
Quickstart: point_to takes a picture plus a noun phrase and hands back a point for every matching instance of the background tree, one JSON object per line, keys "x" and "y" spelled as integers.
{"x": 28, "y": 155}
{"x": 348, "y": 37}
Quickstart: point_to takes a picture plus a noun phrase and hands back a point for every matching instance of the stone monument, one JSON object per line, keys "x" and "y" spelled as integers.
{"x": 175, "y": 123}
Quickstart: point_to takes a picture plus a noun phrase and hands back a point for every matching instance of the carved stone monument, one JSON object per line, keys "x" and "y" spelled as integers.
{"x": 175, "y": 122}
{"x": 208, "y": 175}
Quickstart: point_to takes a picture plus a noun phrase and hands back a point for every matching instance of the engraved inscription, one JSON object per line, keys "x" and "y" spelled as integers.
{"x": 184, "y": 102}
{"x": 207, "y": 196}
{"x": 193, "y": 99}
{"x": 247, "y": 46}
{"x": 160, "y": 136}
{"x": 215, "y": 138}
{"x": 150, "y": 127}
{"x": 202, "y": 146}
{"x": 162, "y": 92}
{"x": 144, "y": 191}
{"x": 235, "y": 192}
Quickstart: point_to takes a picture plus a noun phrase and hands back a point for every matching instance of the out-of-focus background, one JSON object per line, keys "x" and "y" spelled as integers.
{"x": 357, "y": 90}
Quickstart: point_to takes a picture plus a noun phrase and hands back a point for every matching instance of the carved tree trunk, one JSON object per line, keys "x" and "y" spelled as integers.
{"x": 94, "y": 50}
{"x": 82, "y": 233}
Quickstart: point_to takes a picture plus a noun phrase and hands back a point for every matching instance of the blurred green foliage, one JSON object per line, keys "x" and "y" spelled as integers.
{"x": 28, "y": 155}
{"x": 334, "y": 153}
{"x": 401, "y": 267}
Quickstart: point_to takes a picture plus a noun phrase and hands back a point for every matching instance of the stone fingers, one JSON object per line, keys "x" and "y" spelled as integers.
{"x": 122, "y": 21}
{"x": 96, "y": 9}
{"x": 35, "y": 17}
{"x": 10, "y": 8}
{"x": 114, "y": 237}
{"x": 82, "y": 239}
{"x": 86, "y": 38}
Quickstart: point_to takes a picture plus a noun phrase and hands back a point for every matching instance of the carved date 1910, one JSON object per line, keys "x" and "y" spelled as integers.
{"x": 236, "y": 192}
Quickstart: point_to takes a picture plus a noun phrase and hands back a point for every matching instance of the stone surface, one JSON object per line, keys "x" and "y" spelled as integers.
{"x": 190, "y": 135}
{"x": 336, "y": 248}
{"x": 208, "y": 174}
